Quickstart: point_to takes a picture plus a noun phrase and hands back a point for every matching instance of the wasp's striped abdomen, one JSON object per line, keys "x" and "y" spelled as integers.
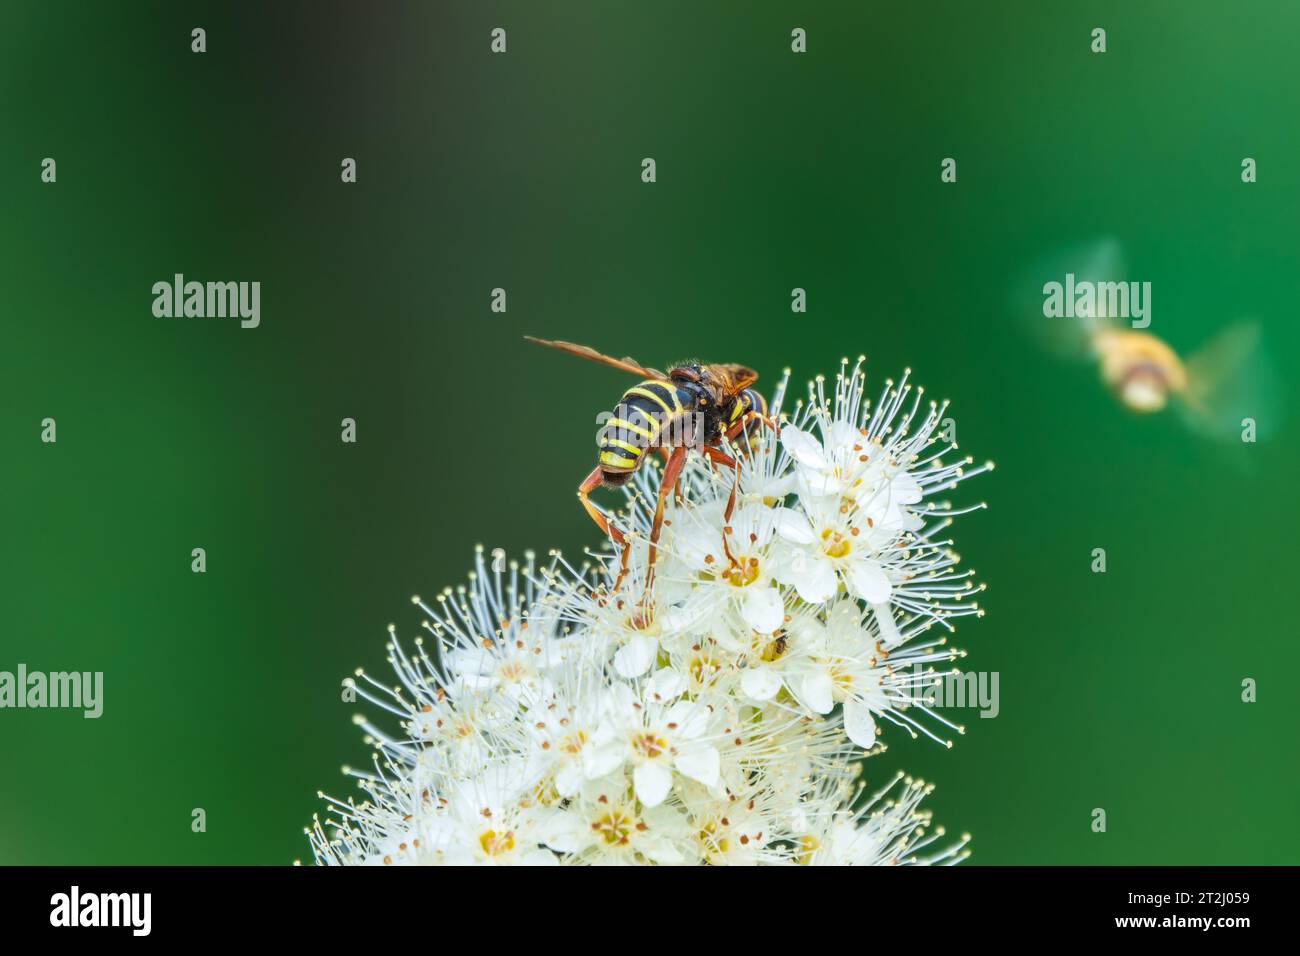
{"x": 639, "y": 421}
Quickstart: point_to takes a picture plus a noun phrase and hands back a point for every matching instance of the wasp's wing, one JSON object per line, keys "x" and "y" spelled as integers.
{"x": 1038, "y": 297}
{"x": 734, "y": 377}
{"x": 583, "y": 351}
{"x": 1230, "y": 379}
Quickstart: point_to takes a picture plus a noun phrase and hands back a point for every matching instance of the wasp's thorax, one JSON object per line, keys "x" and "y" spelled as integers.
{"x": 704, "y": 401}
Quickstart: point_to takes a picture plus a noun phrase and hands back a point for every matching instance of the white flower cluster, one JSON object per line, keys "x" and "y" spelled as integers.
{"x": 721, "y": 717}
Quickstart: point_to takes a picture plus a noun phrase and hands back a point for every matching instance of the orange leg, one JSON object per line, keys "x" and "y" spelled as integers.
{"x": 722, "y": 458}
{"x": 590, "y": 484}
{"x": 748, "y": 417}
{"x": 668, "y": 454}
{"x": 730, "y": 462}
{"x": 671, "y": 473}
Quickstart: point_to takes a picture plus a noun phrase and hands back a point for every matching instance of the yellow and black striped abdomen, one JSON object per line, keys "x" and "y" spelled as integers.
{"x": 639, "y": 419}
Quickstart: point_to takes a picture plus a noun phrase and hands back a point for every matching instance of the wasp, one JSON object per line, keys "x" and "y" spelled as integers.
{"x": 692, "y": 406}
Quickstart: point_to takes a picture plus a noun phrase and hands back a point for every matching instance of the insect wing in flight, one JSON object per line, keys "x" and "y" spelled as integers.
{"x": 1229, "y": 379}
{"x": 1068, "y": 337}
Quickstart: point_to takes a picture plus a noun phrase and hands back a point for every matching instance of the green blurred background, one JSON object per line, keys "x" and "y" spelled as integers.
{"x": 1119, "y": 691}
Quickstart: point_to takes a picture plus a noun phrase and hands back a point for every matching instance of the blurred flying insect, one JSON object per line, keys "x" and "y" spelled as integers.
{"x": 692, "y": 406}
{"x": 1213, "y": 389}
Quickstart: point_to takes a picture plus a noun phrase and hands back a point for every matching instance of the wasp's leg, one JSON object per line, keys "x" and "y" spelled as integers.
{"x": 668, "y": 456}
{"x": 672, "y": 471}
{"x": 748, "y": 417}
{"x": 731, "y": 499}
{"x": 722, "y": 458}
{"x": 590, "y": 484}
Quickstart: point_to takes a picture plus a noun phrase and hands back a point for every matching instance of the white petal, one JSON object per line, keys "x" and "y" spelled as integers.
{"x": 565, "y": 832}
{"x": 762, "y": 608}
{"x": 652, "y": 781}
{"x": 759, "y": 683}
{"x": 689, "y": 717}
{"x": 804, "y": 448}
{"x": 859, "y": 724}
{"x": 874, "y": 510}
{"x": 702, "y": 765}
{"x": 568, "y": 778}
{"x": 844, "y": 620}
{"x": 905, "y": 489}
{"x": 635, "y": 657}
{"x": 684, "y": 617}
{"x": 692, "y": 542}
{"x": 598, "y": 760}
{"x": 617, "y": 701}
{"x": 842, "y": 435}
{"x": 815, "y": 691}
{"x": 665, "y": 684}
{"x": 792, "y": 526}
{"x": 664, "y": 852}
{"x": 771, "y": 488}
{"x": 813, "y": 578}
{"x": 869, "y": 582}
{"x": 890, "y": 636}
{"x": 821, "y": 484}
